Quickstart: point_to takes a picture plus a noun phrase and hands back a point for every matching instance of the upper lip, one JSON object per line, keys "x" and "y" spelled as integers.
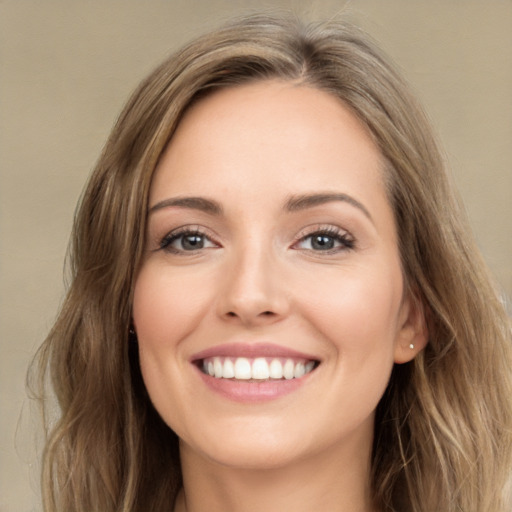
{"x": 251, "y": 350}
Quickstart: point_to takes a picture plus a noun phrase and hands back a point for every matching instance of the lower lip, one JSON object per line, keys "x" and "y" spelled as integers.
{"x": 252, "y": 391}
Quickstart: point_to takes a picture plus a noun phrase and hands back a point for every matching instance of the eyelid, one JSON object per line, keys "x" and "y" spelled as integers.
{"x": 322, "y": 228}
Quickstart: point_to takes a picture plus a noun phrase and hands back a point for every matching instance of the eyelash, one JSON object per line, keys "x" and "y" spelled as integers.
{"x": 345, "y": 240}
{"x": 173, "y": 236}
{"x": 342, "y": 237}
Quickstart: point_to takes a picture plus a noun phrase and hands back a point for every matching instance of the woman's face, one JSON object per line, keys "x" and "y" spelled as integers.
{"x": 269, "y": 307}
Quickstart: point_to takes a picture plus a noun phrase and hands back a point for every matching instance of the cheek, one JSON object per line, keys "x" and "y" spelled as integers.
{"x": 357, "y": 316}
{"x": 360, "y": 305}
{"x": 166, "y": 305}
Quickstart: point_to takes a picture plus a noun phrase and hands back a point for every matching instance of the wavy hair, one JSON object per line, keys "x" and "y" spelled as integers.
{"x": 443, "y": 439}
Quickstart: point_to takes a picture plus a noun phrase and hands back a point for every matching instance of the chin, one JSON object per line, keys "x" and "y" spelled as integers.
{"x": 255, "y": 457}
{"x": 248, "y": 448}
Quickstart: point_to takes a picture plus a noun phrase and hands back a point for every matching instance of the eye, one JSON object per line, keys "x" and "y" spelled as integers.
{"x": 329, "y": 240}
{"x": 186, "y": 240}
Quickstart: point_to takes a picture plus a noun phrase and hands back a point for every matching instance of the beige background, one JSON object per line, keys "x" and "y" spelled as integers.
{"x": 66, "y": 69}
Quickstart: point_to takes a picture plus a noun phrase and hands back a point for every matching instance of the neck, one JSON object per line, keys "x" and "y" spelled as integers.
{"x": 322, "y": 482}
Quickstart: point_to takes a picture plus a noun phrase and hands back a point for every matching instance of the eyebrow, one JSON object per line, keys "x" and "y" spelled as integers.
{"x": 194, "y": 203}
{"x": 294, "y": 203}
{"x": 302, "y": 202}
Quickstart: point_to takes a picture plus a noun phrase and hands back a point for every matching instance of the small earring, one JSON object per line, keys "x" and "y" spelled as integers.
{"x": 411, "y": 346}
{"x": 132, "y": 335}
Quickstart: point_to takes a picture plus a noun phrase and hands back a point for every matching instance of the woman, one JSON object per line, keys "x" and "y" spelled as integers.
{"x": 275, "y": 301}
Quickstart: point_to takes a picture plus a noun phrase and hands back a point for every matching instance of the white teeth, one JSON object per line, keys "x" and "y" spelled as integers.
{"x": 229, "y": 369}
{"x": 260, "y": 368}
{"x": 288, "y": 369}
{"x": 276, "y": 369}
{"x": 299, "y": 370}
{"x": 242, "y": 368}
{"x": 217, "y": 367}
{"x": 309, "y": 366}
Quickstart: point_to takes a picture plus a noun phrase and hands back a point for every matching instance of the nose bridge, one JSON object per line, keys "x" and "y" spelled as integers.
{"x": 253, "y": 290}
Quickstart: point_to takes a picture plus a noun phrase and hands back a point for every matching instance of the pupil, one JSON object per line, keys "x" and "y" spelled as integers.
{"x": 193, "y": 242}
{"x": 322, "y": 242}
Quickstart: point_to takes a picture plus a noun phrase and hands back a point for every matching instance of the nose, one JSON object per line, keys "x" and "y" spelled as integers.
{"x": 254, "y": 290}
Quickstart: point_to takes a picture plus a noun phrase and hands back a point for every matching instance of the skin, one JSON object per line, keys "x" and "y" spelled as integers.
{"x": 259, "y": 278}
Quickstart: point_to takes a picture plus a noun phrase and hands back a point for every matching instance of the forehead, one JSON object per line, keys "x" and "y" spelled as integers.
{"x": 274, "y": 134}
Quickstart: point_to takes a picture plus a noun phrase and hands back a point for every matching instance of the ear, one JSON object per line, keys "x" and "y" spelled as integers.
{"x": 412, "y": 334}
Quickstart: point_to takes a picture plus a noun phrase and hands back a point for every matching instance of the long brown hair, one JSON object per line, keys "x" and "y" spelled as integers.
{"x": 443, "y": 438}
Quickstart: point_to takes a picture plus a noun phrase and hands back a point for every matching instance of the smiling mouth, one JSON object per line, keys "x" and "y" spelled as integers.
{"x": 256, "y": 369}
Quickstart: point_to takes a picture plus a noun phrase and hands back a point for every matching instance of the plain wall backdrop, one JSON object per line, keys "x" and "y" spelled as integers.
{"x": 66, "y": 69}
